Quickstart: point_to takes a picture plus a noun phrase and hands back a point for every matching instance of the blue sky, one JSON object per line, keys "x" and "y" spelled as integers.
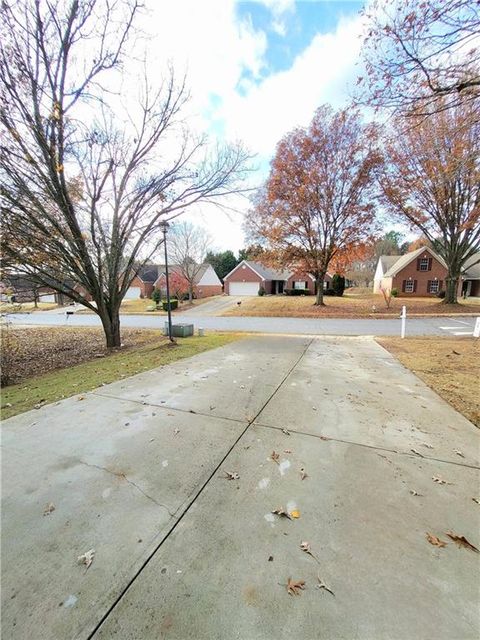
{"x": 255, "y": 71}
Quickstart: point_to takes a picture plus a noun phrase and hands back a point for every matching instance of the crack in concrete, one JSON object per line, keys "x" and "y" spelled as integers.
{"x": 131, "y": 482}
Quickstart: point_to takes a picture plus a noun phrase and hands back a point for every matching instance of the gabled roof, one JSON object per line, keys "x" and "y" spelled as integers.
{"x": 149, "y": 272}
{"x": 266, "y": 272}
{"x": 387, "y": 262}
{"x": 175, "y": 268}
{"x": 471, "y": 270}
{"x": 406, "y": 259}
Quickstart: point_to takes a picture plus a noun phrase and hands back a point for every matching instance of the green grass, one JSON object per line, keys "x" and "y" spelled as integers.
{"x": 56, "y": 385}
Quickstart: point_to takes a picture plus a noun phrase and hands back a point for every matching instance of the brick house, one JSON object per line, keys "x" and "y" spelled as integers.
{"x": 207, "y": 283}
{"x": 422, "y": 273}
{"x": 248, "y": 276}
{"x": 142, "y": 284}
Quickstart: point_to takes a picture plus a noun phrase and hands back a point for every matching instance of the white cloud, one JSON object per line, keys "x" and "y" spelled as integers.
{"x": 216, "y": 48}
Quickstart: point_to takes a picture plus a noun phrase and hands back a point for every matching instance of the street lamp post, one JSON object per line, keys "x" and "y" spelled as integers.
{"x": 164, "y": 227}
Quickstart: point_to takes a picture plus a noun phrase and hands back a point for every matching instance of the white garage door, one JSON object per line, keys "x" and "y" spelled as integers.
{"x": 244, "y": 288}
{"x": 132, "y": 292}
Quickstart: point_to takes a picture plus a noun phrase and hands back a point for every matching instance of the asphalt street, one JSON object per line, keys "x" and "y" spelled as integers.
{"x": 453, "y": 325}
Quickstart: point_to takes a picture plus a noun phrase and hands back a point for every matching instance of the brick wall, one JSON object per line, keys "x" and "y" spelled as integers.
{"x": 245, "y": 274}
{"x": 420, "y": 278}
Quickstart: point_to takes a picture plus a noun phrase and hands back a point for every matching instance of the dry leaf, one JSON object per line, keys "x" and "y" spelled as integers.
{"x": 176, "y": 432}
{"x": 414, "y": 493}
{"x": 440, "y": 480}
{"x": 232, "y": 475}
{"x": 294, "y": 586}
{"x": 303, "y": 473}
{"x": 295, "y": 513}
{"x": 435, "y": 541}
{"x": 305, "y": 546}
{"x": 275, "y": 457}
{"x": 321, "y": 585}
{"x": 458, "y": 452}
{"x": 86, "y": 558}
{"x": 477, "y": 500}
{"x": 416, "y": 452}
{"x": 425, "y": 444}
{"x": 324, "y": 438}
{"x": 461, "y": 541}
{"x": 48, "y": 509}
{"x": 287, "y": 451}
{"x": 81, "y": 398}
{"x": 286, "y": 432}
{"x": 282, "y": 513}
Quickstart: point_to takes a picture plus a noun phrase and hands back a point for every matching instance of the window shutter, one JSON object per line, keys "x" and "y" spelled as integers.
{"x": 404, "y": 284}
{"x": 418, "y": 264}
{"x": 429, "y": 264}
{"x": 414, "y": 286}
{"x": 440, "y": 285}
{"x": 429, "y": 284}
{"x": 306, "y": 284}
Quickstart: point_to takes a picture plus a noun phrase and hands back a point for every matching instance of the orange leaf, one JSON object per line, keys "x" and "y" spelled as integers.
{"x": 435, "y": 541}
{"x": 461, "y": 541}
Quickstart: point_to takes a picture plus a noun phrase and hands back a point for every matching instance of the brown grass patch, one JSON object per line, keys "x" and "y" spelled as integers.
{"x": 449, "y": 366}
{"x": 351, "y": 305}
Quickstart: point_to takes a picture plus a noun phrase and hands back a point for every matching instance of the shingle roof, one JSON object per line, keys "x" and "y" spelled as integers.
{"x": 267, "y": 272}
{"x": 387, "y": 262}
{"x": 410, "y": 257}
{"x": 149, "y": 272}
{"x": 471, "y": 270}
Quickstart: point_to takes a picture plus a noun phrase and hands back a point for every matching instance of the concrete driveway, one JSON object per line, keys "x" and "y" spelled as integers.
{"x": 137, "y": 471}
{"x": 214, "y": 307}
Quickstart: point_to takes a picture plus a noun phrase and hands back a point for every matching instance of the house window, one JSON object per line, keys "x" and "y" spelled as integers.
{"x": 423, "y": 264}
{"x": 300, "y": 285}
{"x": 433, "y": 286}
{"x": 409, "y": 286}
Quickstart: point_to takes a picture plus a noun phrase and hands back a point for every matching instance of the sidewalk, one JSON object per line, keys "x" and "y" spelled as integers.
{"x": 137, "y": 471}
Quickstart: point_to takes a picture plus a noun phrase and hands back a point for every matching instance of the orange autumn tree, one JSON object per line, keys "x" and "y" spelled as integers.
{"x": 317, "y": 200}
{"x": 432, "y": 180}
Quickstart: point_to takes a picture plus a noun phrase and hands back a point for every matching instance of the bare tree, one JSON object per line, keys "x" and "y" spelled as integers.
{"x": 83, "y": 197}
{"x": 432, "y": 180}
{"x": 422, "y": 56}
{"x": 189, "y": 245}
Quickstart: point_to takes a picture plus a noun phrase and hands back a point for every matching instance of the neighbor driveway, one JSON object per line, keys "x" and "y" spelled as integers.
{"x": 137, "y": 471}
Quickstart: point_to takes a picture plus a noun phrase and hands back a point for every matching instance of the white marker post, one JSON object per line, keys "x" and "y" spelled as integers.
{"x": 476, "y": 331}
{"x": 404, "y": 318}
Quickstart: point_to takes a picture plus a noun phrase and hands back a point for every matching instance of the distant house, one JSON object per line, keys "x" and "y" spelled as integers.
{"x": 19, "y": 288}
{"x": 248, "y": 277}
{"x": 207, "y": 283}
{"x": 422, "y": 273}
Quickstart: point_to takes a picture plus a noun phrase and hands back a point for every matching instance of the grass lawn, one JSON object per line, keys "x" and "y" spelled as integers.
{"x": 140, "y": 306}
{"x": 22, "y": 307}
{"x": 450, "y": 366}
{"x": 350, "y": 305}
{"x": 56, "y": 363}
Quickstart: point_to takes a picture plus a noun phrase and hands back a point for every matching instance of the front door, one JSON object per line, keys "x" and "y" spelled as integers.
{"x": 280, "y": 285}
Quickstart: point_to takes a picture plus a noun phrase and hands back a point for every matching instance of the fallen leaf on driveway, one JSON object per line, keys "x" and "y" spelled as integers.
{"x": 425, "y": 444}
{"x": 303, "y": 473}
{"x": 440, "y": 480}
{"x": 416, "y": 452}
{"x": 286, "y": 432}
{"x": 86, "y": 558}
{"x": 305, "y": 546}
{"x": 49, "y": 509}
{"x": 282, "y": 513}
{"x": 324, "y": 438}
{"x": 176, "y": 432}
{"x": 435, "y": 541}
{"x": 461, "y": 541}
{"x": 275, "y": 457}
{"x": 294, "y": 586}
{"x": 287, "y": 451}
{"x": 295, "y": 513}
{"x": 81, "y": 398}
{"x": 321, "y": 585}
{"x": 414, "y": 493}
{"x": 477, "y": 500}
{"x": 232, "y": 475}
{"x": 458, "y": 452}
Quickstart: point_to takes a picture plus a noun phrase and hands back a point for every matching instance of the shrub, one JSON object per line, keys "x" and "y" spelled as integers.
{"x": 329, "y": 292}
{"x": 156, "y": 295}
{"x": 394, "y": 292}
{"x": 441, "y": 294}
{"x": 338, "y": 284}
{"x": 261, "y": 291}
{"x": 173, "y": 304}
{"x": 296, "y": 292}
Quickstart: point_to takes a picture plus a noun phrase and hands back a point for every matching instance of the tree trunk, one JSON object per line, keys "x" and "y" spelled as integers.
{"x": 451, "y": 286}
{"x": 190, "y": 294}
{"x": 111, "y": 327}
{"x": 319, "y": 284}
{"x": 35, "y": 299}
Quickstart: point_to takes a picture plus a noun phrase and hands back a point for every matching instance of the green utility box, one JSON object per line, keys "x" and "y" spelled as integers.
{"x": 180, "y": 330}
